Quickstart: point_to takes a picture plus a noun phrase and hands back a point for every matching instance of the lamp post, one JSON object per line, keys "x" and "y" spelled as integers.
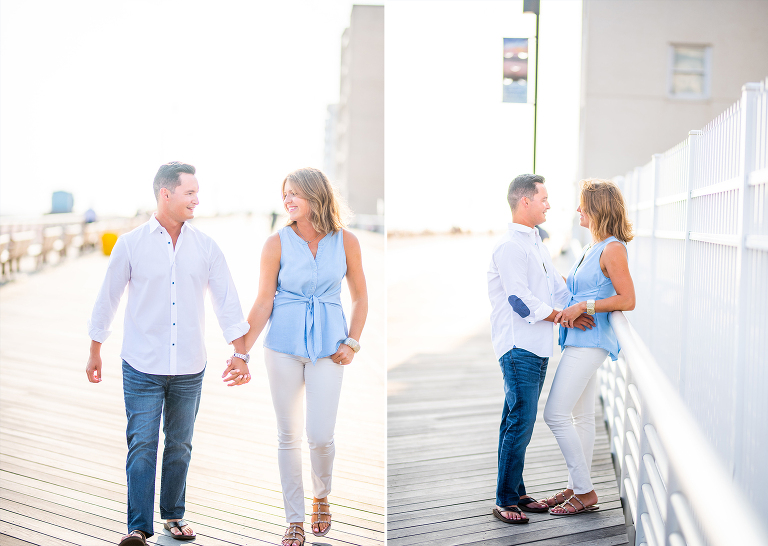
{"x": 532, "y": 6}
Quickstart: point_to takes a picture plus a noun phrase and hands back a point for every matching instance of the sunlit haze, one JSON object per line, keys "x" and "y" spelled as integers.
{"x": 452, "y": 146}
{"x": 95, "y": 95}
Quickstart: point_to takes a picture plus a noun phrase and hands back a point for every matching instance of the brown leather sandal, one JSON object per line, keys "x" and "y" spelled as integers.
{"x": 134, "y": 538}
{"x": 170, "y": 525}
{"x": 498, "y": 513}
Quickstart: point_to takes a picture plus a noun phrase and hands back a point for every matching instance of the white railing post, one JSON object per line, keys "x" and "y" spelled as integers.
{"x": 693, "y": 157}
{"x": 656, "y": 166}
{"x": 748, "y": 128}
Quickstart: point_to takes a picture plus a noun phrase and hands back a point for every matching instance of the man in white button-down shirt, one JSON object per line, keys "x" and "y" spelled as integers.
{"x": 525, "y": 292}
{"x": 168, "y": 266}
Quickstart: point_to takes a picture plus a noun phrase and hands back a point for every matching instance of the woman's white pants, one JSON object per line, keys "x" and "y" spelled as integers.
{"x": 289, "y": 377}
{"x": 570, "y": 411}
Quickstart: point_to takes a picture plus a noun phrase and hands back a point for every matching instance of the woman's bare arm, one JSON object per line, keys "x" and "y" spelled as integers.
{"x": 262, "y": 307}
{"x": 613, "y": 262}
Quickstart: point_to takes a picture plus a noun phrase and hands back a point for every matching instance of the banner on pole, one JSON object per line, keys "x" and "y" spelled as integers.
{"x": 515, "y": 88}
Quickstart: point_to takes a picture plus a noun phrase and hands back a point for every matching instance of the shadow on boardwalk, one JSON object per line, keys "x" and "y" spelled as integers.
{"x": 443, "y": 418}
{"x": 62, "y": 439}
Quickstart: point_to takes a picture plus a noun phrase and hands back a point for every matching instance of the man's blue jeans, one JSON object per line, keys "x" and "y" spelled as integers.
{"x": 524, "y": 374}
{"x": 147, "y": 397}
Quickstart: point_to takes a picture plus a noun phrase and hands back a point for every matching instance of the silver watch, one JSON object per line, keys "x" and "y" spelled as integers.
{"x": 245, "y": 358}
{"x": 352, "y": 344}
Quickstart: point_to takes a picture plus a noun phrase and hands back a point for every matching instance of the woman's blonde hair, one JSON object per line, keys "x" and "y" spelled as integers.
{"x": 327, "y": 211}
{"x": 602, "y": 202}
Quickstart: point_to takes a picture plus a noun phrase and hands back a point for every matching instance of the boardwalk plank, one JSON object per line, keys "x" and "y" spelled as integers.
{"x": 443, "y": 412}
{"x": 62, "y": 440}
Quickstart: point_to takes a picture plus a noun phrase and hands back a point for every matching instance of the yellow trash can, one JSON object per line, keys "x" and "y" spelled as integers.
{"x": 108, "y": 241}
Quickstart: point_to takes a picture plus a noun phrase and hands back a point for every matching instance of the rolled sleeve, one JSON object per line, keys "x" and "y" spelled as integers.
{"x": 115, "y": 281}
{"x": 236, "y": 331}
{"x": 226, "y": 303}
{"x": 512, "y": 265}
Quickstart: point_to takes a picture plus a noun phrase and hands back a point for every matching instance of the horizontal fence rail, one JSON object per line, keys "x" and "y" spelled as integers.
{"x": 699, "y": 261}
{"x": 672, "y": 480}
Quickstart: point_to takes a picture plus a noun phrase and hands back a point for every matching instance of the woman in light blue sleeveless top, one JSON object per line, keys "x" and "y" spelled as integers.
{"x": 599, "y": 283}
{"x": 307, "y": 342}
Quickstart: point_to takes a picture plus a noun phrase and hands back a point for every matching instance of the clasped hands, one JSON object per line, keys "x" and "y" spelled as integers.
{"x": 236, "y": 373}
{"x": 575, "y": 317}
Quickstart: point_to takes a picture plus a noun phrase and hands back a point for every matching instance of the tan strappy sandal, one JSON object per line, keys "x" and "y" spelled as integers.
{"x": 555, "y": 499}
{"x": 565, "y": 512}
{"x": 292, "y": 536}
{"x": 316, "y": 513}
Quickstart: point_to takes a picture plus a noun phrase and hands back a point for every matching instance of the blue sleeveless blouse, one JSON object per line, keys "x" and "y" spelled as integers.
{"x": 307, "y": 319}
{"x": 586, "y": 281}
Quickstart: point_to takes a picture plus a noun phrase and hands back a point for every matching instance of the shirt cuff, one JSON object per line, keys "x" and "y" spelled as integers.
{"x": 541, "y": 313}
{"x": 97, "y": 334}
{"x": 236, "y": 331}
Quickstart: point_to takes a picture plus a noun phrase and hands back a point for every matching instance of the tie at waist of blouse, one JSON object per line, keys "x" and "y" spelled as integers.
{"x": 313, "y": 330}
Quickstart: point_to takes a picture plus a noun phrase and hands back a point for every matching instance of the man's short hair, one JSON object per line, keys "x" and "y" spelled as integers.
{"x": 524, "y": 185}
{"x": 168, "y": 176}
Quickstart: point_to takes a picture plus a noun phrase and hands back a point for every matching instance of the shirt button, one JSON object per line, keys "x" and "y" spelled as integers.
{"x": 174, "y": 303}
{"x": 173, "y": 344}
{"x": 174, "y": 324}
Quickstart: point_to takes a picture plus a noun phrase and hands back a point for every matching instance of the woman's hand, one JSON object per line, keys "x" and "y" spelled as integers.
{"x": 344, "y": 355}
{"x": 567, "y": 316}
{"x": 575, "y": 317}
{"x": 236, "y": 373}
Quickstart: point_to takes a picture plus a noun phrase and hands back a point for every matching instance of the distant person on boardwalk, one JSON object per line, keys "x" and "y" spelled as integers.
{"x": 307, "y": 343}
{"x": 599, "y": 283}
{"x": 525, "y": 290}
{"x": 168, "y": 266}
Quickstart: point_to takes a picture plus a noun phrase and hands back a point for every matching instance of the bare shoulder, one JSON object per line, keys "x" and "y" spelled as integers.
{"x": 614, "y": 255}
{"x": 272, "y": 246}
{"x": 615, "y": 250}
{"x": 350, "y": 240}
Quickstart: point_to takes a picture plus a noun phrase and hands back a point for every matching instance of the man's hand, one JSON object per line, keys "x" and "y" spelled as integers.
{"x": 583, "y": 322}
{"x": 93, "y": 368}
{"x": 236, "y": 373}
{"x": 344, "y": 355}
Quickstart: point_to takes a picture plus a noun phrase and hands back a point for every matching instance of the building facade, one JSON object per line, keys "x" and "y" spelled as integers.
{"x": 360, "y": 113}
{"x": 652, "y": 70}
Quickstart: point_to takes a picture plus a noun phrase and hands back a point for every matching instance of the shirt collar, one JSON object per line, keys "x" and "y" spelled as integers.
{"x": 520, "y": 227}
{"x": 154, "y": 224}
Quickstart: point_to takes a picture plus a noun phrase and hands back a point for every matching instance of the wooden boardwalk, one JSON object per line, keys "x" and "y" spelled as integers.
{"x": 443, "y": 416}
{"x": 62, "y": 439}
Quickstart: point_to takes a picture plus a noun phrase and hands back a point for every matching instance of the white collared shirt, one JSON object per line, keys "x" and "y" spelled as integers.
{"x": 164, "y": 325}
{"x": 523, "y": 287}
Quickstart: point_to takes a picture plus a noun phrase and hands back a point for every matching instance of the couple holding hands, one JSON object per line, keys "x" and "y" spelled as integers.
{"x": 526, "y": 292}
{"x": 169, "y": 265}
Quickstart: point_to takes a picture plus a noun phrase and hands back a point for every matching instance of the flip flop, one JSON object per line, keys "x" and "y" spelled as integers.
{"x": 168, "y": 525}
{"x": 525, "y": 505}
{"x": 134, "y": 538}
{"x": 498, "y": 514}
{"x": 582, "y": 510}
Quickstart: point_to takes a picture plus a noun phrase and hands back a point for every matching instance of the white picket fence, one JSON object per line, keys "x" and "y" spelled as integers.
{"x": 700, "y": 266}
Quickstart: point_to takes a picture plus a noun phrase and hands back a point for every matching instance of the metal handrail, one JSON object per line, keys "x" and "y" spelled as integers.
{"x": 688, "y": 476}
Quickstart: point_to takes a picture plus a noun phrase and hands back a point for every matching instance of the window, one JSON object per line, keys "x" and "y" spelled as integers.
{"x": 690, "y": 71}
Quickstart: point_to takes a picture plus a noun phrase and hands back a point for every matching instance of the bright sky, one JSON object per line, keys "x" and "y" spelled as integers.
{"x": 95, "y": 95}
{"x": 452, "y": 146}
